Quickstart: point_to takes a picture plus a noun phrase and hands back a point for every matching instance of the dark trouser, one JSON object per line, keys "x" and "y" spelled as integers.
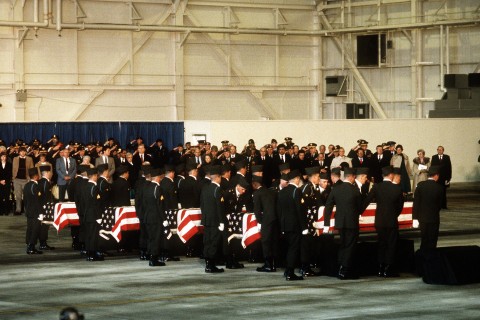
{"x": 269, "y": 240}
{"x": 212, "y": 240}
{"x": 226, "y": 250}
{"x": 293, "y": 248}
{"x": 307, "y": 249}
{"x": 33, "y": 230}
{"x": 387, "y": 245}
{"x": 91, "y": 236}
{"x": 62, "y": 189}
{"x": 5, "y": 204}
{"x": 429, "y": 234}
{"x": 444, "y": 196}
{"x": 43, "y": 237}
{"x": 155, "y": 238}
{"x": 143, "y": 239}
{"x": 348, "y": 242}
{"x": 81, "y": 229}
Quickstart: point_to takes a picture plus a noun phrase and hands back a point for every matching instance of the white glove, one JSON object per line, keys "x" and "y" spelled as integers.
{"x": 259, "y": 226}
{"x": 221, "y": 227}
{"x": 99, "y": 221}
{"x": 326, "y": 229}
{"x": 165, "y": 223}
{"x": 447, "y": 183}
{"x": 415, "y": 223}
{"x": 305, "y": 232}
{"x": 40, "y": 217}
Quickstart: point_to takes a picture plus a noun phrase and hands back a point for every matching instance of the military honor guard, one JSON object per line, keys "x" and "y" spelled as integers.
{"x": 45, "y": 187}
{"x": 91, "y": 199}
{"x": 33, "y": 211}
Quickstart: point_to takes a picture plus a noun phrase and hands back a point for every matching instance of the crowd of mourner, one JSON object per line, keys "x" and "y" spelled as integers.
{"x": 283, "y": 184}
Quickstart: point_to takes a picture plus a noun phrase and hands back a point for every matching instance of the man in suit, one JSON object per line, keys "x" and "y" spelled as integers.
{"x": 348, "y": 201}
{"x": 389, "y": 199}
{"x": 155, "y": 219}
{"x": 93, "y": 215}
{"x": 427, "y": 203}
{"x": 33, "y": 211}
{"x": 104, "y": 158}
{"x": 293, "y": 222}
{"x": 360, "y": 160}
{"x": 279, "y": 159}
{"x": 160, "y": 153}
{"x": 20, "y": 166}
{"x": 212, "y": 204}
{"x": 264, "y": 208}
{"x": 377, "y": 162}
{"x": 45, "y": 187}
{"x": 66, "y": 168}
{"x": 445, "y": 172}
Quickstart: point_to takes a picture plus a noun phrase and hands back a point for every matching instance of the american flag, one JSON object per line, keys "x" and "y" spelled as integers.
{"x": 49, "y": 212}
{"x": 125, "y": 220}
{"x": 188, "y": 221}
{"x": 65, "y": 214}
{"x": 367, "y": 219}
{"x": 250, "y": 227}
{"x": 235, "y": 225}
{"x": 172, "y": 223}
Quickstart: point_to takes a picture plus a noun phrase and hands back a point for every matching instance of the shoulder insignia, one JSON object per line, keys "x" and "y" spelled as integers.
{"x": 161, "y": 198}
{"x": 98, "y": 196}
{"x": 221, "y": 199}
{"x": 303, "y": 200}
{"x": 39, "y": 193}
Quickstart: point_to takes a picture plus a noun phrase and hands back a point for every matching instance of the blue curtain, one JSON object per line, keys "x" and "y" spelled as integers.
{"x": 170, "y": 132}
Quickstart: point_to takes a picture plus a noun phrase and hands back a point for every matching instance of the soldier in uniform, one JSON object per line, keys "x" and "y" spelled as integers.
{"x": 361, "y": 181}
{"x": 226, "y": 175}
{"x": 45, "y": 187}
{"x": 389, "y": 199}
{"x": 91, "y": 199}
{"x": 33, "y": 211}
{"x": 348, "y": 201}
{"x": 104, "y": 187}
{"x": 75, "y": 193}
{"x": 170, "y": 195}
{"x": 190, "y": 188}
{"x": 155, "y": 218}
{"x": 121, "y": 188}
{"x": 264, "y": 205}
{"x": 141, "y": 185}
{"x": 309, "y": 200}
{"x": 212, "y": 204}
{"x": 293, "y": 223}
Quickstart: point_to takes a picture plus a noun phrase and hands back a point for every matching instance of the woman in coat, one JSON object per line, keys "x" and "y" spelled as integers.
{"x": 420, "y": 168}
{"x": 5, "y": 184}
{"x": 400, "y": 160}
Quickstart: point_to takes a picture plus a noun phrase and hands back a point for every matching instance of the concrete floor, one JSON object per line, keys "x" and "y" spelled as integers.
{"x": 122, "y": 287}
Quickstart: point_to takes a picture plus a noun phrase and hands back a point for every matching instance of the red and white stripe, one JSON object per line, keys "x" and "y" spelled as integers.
{"x": 125, "y": 220}
{"x": 188, "y": 223}
{"x": 367, "y": 219}
{"x": 250, "y": 230}
{"x": 65, "y": 214}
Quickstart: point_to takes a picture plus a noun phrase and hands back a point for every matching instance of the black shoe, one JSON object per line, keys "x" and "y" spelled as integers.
{"x": 266, "y": 268}
{"x": 346, "y": 274}
{"x": 210, "y": 267}
{"x": 45, "y": 246}
{"x": 32, "y": 250}
{"x": 83, "y": 252}
{"x": 143, "y": 255}
{"x": 234, "y": 265}
{"x": 156, "y": 263}
{"x": 308, "y": 272}
{"x": 17, "y": 213}
{"x": 291, "y": 276}
{"x": 389, "y": 272}
{"x": 381, "y": 270}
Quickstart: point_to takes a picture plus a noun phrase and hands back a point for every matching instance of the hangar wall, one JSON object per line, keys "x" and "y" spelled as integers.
{"x": 81, "y": 73}
{"x": 459, "y": 136}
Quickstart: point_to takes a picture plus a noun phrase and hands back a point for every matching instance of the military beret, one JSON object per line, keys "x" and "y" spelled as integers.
{"x": 349, "y": 171}
{"x": 91, "y": 171}
{"x": 169, "y": 168}
{"x": 344, "y": 165}
{"x": 257, "y": 168}
{"x": 257, "y": 179}
{"x": 180, "y": 168}
{"x": 44, "y": 168}
{"x": 243, "y": 183}
{"x": 293, "y": 174}
{"x": 284, "y": 166}
{"x": 312, "y": 170}
{"x": 323, "y": 175}
{"x": 82, "y": 168}
{"x": 146, "y": 169}
{"x": 122, "y": 169}
{"x": 102, "y": 167}
{"x": 433, "y": 170}
{"x": 240, "y": 164}
{"x": 225, "y": 168}
{"x": 32, "y": 172}
{"x": 387, "y": 170}
{"x": 207, "y": 168}
{"x": 191, "y": 166}
{"x": 284, "y": 176}
{"x": 397, "y": 171}
{"x": 361, "y": 170}
{"x": 335, "y": 171}
{"x": 156, "y": 172}
{"x": 215, "y": 170}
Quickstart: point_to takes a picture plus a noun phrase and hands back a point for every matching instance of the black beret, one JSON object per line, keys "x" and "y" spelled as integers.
{"x": 312, "y": 170}
{"x": 102, "y": 167}
{"x": 323, "y": 175}
{"x": 44, "y": 168}
{"x": 146, "y": 169}
{"x": 257, "y": 168}
{"x": 122, "y": 169}
{"x": 361, "y": 170}
{"x": 336, "y": 171}
{"x": 349, "y": 171}
{"x": 293, "y": 174}
{"x": 82, "y": 168}
{"x": 91, "y": 171}
{"x": 433, "y": 170}
{"x": 191, "y": 166}
{"x": 241, "y": 164}
{"x": 387, "y": 170}
{"x": 157, "y": 172}
{"x": 32, "y": 172}
{"x": 180, "y": 168}
{"x": 169, "y": 168}
{"x": 284, "y": 166}
{"x": 207, "y": 168}
{"x": 215, "y": 170}
{"x": 225, "y": 168}
{"x": 257, "y": 179}
{"x": 397, "y": 171}
{"x": 284, "y": 176}
{"x": 344, "y": 165}
{"x": 243, "y": 183}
